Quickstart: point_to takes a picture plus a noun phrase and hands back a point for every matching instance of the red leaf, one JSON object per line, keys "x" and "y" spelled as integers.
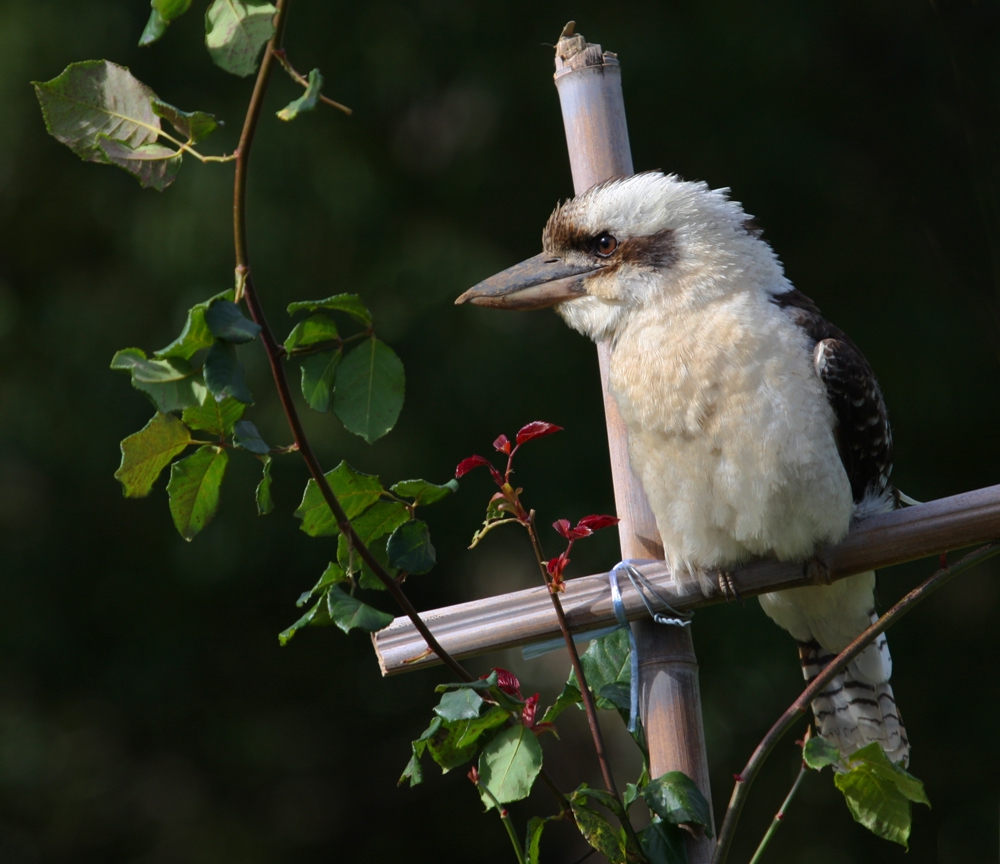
{"x": 529, "y": 711}
{"x": 596, "y": 523}
{"x": 555, "y": 566}
{"x": 502, "y": 444}
{"x": 507, "y": 681}
{"x": 562, "y": 526}
{"x": 466, "y": 465}
{"x": 473, "y": 775}
{"x": 536, "y": 430}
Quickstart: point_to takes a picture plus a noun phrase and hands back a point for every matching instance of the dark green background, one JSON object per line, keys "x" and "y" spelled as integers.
{"x": 147, "y": 713}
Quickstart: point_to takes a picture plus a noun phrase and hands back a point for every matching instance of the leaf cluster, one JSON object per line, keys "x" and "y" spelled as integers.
{"x": 105, "y": 114}
{"x": 879, "y": 793}
{"x": 384, "y": 521}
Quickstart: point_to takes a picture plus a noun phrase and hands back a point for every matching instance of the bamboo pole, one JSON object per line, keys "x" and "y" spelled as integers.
{"x": 524, "y": 617}
{"x": 590, "y": 93}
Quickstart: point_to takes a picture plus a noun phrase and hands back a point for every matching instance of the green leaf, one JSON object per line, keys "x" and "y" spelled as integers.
{"x": 598, "y": 831}
{"x": 605, "y": 799}
{"x": 317, "y": 616}
{"x": 490, "y": 684}
{"x": 195, "y": 336}
{"x": 368, "y": 579}
{"x": 675, "y": 798}
{"x": 96, "y": 98}
{"x": 171, "y": 9}
{"x": 447, "y": 752}
{"x": 463, "y": 704}
{"x": 569, "y": 696}
{"x": 155, "y": 166}
{"x": 193, "y": 125}
{"x": 154, "y": 29}
{"x": 471, "y": 731}
{"x": 355, "y": 491}
{"x": 194, "y": 489}
{"x": 246, "y": 437}
{"x": 423, "y": 492}
{"x": 818, "y": 753}
{"x": 663, "y": 843}
{"x": 456, "y": 742}
{"x": 318, "y": 371}
{"x": 307, "y": 101}
{"x": 314, "y": 329}
{"x": 216, "y": 418}
{"x": 235, "y": 33}
{"x": 349, "y": 303}
{"x": 226, "y": 321}
{"x": 534, "y": 837}
{"x": 263, "y": 495}
{"x": 509, "y": 764}
{"x": 878, "y": 793}
{"x": 413, "y": 771}
{"x": 164, "y": 11}
{"x": 607, "y": 660}
{"x": 172, "y": 384}
{"x": 369, "y": 393}
{"x": 349, "y": 613}
{"x": 410, "y": 547}
{"x": 382, "y": 518}
{"x": 147, "y": 452}
{"x": 224, "y": 374}
{"x": 631, "y": 795}
{"x": 333, "y": 575}
{"x": 618, "y": 694}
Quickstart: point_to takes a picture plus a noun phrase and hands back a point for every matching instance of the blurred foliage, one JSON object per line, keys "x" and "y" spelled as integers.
{"x": 147, "y": 712}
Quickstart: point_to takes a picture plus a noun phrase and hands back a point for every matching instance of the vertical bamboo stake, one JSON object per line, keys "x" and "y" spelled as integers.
{"x": 590, "y": 92}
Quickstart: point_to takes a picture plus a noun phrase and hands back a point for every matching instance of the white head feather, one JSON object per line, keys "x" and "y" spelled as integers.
{"x": 678, "y": 243}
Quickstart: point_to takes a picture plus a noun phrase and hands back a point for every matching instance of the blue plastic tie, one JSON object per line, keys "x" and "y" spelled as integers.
{"x": 641, "y": 585}
{"x": 619, "y": 607}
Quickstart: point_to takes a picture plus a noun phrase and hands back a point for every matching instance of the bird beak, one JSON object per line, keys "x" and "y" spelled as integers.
{"x": 533, "y": 284}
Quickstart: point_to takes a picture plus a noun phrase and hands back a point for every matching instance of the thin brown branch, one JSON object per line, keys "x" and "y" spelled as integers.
{"x": 574, "y": 656}
{"x": 801, "y": 705}
{"x": 585, "y": 693}
{"x": 275, "y": 351}
{"x": 779, "y": 817}
{"x": 282, "y": 56}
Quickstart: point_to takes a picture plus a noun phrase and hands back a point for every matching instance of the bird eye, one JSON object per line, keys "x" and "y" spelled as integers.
{"x": 606, "y": 244}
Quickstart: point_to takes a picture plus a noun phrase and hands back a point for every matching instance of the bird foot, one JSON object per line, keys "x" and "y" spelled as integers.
{"x": 728, "y": 587}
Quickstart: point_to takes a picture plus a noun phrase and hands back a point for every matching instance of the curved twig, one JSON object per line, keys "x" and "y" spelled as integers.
{"x": 275, "y": 351}
{"x": 800, "y": 705}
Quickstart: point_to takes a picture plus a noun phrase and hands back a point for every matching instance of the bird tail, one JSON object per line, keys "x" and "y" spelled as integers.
{"x": 856, "y": 707}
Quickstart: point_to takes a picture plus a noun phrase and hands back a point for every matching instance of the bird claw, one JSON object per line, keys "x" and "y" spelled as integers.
{"x": 728, "y": 587}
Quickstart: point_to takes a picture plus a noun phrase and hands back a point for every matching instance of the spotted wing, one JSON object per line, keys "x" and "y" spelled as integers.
{"x": 863, "y": 434}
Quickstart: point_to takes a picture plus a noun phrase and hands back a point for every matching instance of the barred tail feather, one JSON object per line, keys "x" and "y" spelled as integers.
{"x": 856, "y": 707}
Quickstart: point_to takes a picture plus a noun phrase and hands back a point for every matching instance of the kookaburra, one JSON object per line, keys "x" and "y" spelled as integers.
{"x": 756, "y": 427}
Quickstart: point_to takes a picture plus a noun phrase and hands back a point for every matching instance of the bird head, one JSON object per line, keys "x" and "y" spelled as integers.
{"x": 628, "y": 244}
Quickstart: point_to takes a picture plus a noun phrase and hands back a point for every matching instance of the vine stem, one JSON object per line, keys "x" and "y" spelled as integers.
{"x": 800, "y": 705}
{"x": 585, "y": 693}
{"x": 505, "y": 818}
{"x": 275, "y": 351}
{"x": 574, "y": 656}
{"x": 780, "y": 815}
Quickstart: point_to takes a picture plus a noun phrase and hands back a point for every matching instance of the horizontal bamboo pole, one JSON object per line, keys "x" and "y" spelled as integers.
{"x": 524, "y": 617}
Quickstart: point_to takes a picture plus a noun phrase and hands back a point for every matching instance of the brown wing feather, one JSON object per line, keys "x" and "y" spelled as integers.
{"x": 863, "y": 434}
